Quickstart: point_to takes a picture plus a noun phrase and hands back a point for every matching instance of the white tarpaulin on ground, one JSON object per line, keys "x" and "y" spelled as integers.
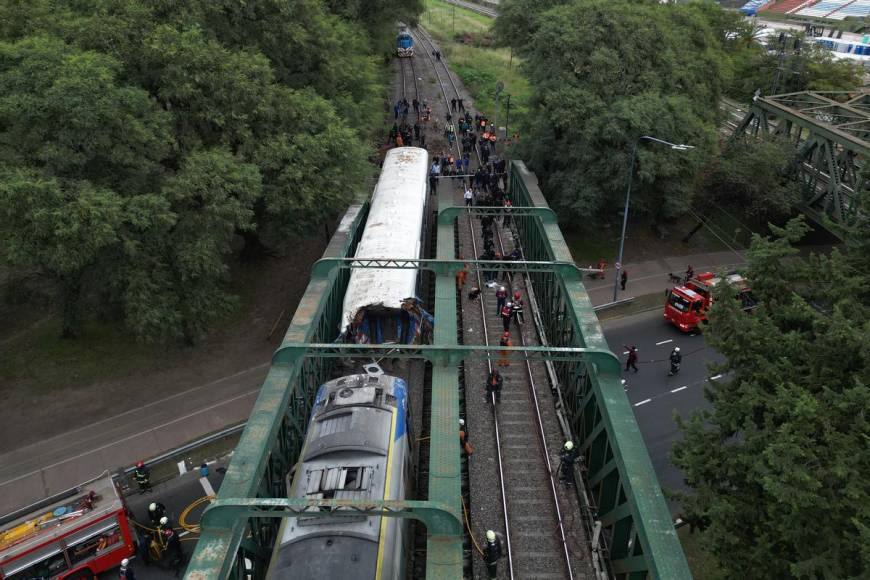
{"x": 393, "y": 230}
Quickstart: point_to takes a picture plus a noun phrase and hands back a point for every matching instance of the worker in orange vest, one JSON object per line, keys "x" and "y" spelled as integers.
{"x": 505, "y": 341}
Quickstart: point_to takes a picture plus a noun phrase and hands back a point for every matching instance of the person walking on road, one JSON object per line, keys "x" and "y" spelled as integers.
{"x": 142, "y": 477}
{"x": 632, "y": 358}
{"x": 492, "y": 553}
{"x": 452, "y": 104}
{"x": 493, "y": 386}
{"x": 623, "y": 279}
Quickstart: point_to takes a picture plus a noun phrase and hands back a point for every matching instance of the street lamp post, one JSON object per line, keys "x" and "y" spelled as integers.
{"x": 675, "y": 147}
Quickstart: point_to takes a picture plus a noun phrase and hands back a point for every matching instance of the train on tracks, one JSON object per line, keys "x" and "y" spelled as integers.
{"x": 357, "y": 445}
{"x": 404, "y": 44}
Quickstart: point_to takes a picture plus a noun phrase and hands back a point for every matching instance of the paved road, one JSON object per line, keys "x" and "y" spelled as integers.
{"x": 654, "y": 395}
{"x": 176, "y": 495}
{"x": 34, "y": 471}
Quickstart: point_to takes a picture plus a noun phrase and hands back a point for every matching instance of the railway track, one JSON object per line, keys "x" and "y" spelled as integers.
{"x": 525, "y": 430}
{"x": 474, "y": 7}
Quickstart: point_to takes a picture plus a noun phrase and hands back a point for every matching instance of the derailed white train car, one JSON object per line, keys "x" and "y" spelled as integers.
{"x": 381, "y": 305}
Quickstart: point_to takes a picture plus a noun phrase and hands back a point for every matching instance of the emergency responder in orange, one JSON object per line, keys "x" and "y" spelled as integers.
{"x": 461, "y": 275}
{"x": 602, "y": 265}
{"x": 505, "y": 341}
{"x": 463, "y": 439}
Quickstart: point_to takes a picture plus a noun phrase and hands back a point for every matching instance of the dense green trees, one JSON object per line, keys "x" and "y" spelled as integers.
{"x": 139, "y": 141}
{"x": 780, "y": 465}
{"x": 605, "y": 73}
{"x": 755, "y": 177}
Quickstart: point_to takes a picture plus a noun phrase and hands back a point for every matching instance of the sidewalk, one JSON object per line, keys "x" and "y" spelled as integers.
{"x": 651, "y": 277}
{"x": 53, "y": 465}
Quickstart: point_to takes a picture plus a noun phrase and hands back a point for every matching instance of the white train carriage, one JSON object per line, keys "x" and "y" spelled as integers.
{"x": 357, "y": 447}
{"x": 380, "y": 305}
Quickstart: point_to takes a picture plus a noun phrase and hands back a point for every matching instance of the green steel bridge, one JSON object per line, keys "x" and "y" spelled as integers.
{"x": 239, "y": 529}
{"x": 830, "y": 132}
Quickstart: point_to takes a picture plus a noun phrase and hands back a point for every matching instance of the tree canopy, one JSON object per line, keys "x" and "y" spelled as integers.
{"x": 138, "y": 141}
{"x": 606, "y": 73}
{"x": 779, "y": 465}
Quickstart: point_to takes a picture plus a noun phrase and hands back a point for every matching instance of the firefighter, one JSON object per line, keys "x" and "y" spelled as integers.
{"x": 156, "y": 512}
{"x": 676, "y": 360}
{"x": 632, "y": 357}
{"x": 126, "y": 571}
{"x": 505, "y": 341}
{"x": 517, "y": 308}
{"x": 690, "y": 273}
{"x": 173, "y": 548}
{"x": 142, "y": 477}
{"x": 501, "y": 298}
{"x": 492, "y": 553}
{"x": 493, "y": 385}
{"x": 567, "y": 457}
{"x": 506, "y": 315}
{"x": 164, "y": 524}
{"x": 464, "y": 443}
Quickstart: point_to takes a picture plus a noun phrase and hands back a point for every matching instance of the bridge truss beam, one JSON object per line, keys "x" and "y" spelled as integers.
{"x": 830, "y": 132}
{"x": 242, "y": 526}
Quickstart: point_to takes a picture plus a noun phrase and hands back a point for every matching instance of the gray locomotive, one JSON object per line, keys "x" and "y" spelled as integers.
{"x": 357, "y": 447}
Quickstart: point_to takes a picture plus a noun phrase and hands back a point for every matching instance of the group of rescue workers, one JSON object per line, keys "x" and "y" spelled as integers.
{"x": 158, "y": 539}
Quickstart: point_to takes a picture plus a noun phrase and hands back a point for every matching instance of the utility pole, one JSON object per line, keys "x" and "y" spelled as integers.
{"x": 507, "y": 121}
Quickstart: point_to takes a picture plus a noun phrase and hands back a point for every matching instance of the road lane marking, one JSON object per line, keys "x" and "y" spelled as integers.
{"x": 716, "y": 377}
{"x": 644, "y": 402}
{"x": 206, "y": 485}
{"x": 680, "y": 389}
{"x": 664, "y": 342}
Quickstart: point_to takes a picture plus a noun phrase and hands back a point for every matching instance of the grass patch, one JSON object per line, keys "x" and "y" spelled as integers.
{"x": 45, "y": 362}
{"x": 466, "y": 39}
{"x": 702, "y": 563}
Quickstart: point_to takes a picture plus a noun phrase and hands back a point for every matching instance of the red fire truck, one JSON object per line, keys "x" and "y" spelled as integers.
{"x": 76, "y": 534}
{"x": 687, "y": 305}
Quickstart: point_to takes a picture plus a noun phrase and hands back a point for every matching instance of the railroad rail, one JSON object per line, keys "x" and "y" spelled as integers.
{"x": 525, "y": 474}
{"x": 475, "y": 7}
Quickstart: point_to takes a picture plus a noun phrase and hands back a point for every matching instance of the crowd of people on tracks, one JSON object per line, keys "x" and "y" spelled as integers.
{"x": 484, "y": 186}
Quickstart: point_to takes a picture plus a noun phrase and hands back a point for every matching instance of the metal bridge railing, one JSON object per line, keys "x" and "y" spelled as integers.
{"x": 631, "y": 507}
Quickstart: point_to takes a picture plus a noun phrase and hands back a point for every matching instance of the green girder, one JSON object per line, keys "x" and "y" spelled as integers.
{"x": 605, "y": 361}
{"x": 223, "y": 513}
